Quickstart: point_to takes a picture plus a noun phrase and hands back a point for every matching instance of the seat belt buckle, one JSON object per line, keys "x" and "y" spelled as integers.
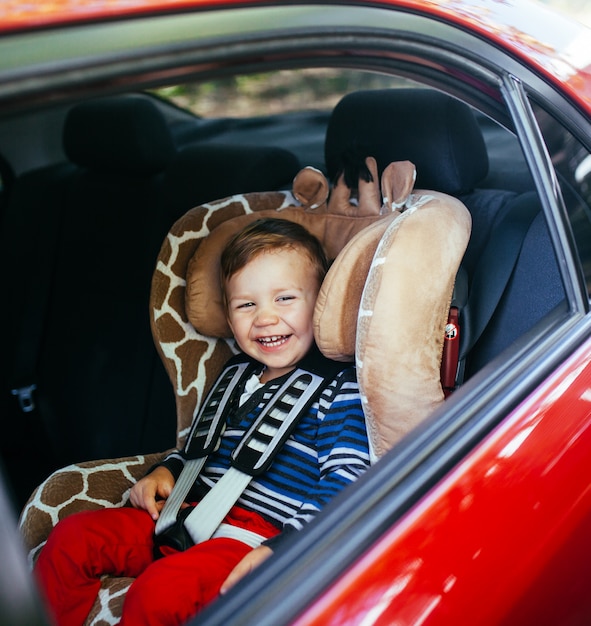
{"x": 450, "y": 356}
{"x": 25, "y": 397}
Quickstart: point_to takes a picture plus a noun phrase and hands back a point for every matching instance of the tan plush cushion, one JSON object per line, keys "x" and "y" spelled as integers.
{"x": 403, "y": 312}
{"x": 335, "y": 314}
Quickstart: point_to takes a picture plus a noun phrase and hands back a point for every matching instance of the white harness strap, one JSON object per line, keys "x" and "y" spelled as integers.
{"x": 180, "y": 490}
{"x": 203, "y": 439}
{"x": 206, "y": 517}
{"x": 241, "y": 534}
{"x": 255, "y": 452}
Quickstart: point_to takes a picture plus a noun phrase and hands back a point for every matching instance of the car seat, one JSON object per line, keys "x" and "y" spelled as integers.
{"x": 510, "y": 268}
{"x": 394, "y": 270}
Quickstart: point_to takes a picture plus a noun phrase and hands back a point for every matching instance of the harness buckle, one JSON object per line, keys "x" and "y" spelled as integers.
{"x": 25, "y": 397}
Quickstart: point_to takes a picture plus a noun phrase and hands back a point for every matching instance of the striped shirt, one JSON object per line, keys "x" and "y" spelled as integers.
{"x": 327, "y": 451}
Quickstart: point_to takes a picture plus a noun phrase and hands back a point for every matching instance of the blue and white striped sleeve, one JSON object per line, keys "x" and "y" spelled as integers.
{"x": 342, "y": 445}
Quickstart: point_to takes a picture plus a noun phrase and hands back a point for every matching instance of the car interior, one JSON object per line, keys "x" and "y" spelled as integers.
{"x": 126, "y": 130}
{"x": 82, "y": 229}
{"x": 81, "y": 236}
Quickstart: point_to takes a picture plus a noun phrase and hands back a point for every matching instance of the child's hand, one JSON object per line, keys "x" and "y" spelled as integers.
{"x": 158, "y": 483}
{"x": 253, "y": 559}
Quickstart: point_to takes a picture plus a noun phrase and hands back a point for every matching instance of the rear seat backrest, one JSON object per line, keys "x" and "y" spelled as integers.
{"x": 202, "y": 173}
{"x": 532, "y": 290}
{"x": 95, "y": 226}
{"x": 88, "y": 233}
{"x": 441, "y": 136}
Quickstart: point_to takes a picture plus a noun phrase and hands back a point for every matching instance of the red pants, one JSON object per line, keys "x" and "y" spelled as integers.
{"x": 118, "y": 542}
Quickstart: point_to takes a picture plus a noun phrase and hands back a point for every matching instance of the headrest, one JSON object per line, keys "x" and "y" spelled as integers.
{"x": 439, "y": 134}
{"x": 126, "y": 134}
{"x": 386, "y": 300}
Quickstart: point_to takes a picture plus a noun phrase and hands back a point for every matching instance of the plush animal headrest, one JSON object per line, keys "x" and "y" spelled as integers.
{"x": 127, "y": 134}
{"x": 384, "y": 301}
{"x": 403, "y": 307}
{"x": 333, "y": 222}
{"x": 439, "y": 134}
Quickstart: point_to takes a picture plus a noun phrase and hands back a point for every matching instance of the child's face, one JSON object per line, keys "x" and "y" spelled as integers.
{"x": 270, "y": 305}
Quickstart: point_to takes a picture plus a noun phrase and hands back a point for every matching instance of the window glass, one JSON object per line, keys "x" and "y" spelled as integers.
{"x": 274, "y": 92}
{"x": 572, "y": 162}
{"x": 287, "y": 108}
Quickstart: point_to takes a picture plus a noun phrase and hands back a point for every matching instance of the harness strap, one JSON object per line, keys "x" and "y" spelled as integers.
{"x": 180, "y": 490}
{"x": 228, "y": 531}
{"x": 203, "y": 439}
{"x": 206, "y": 517}
{"x": 259, "y": 445}
{"x": 210, "y": 424}
{"x": 255, "y": 452}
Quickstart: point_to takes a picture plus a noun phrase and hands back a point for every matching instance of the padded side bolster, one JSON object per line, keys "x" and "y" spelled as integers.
{"x": 81, "y": 487}
{"x": 403, "y": 312}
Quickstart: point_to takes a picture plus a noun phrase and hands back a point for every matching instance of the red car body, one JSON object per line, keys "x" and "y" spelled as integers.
{"x": 503, "y": 537}
{"x": 559, "y": 53}
{"x": 454, "y": 554}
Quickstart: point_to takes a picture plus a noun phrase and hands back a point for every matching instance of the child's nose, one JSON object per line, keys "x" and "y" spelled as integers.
{"x": 266, "y": 316}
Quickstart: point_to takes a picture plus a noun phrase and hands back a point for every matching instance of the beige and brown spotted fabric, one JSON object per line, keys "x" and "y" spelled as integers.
{"x": 83, "y": 487}
{"x": 193, "y": 358}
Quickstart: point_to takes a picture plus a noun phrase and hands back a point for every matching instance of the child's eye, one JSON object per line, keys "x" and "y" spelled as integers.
{"x": 285, "y": 298}
{"x": 245, "y": 305}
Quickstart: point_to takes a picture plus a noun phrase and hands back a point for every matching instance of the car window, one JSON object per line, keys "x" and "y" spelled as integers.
{"x": 269, "y": 105}
{"x": 274, "y": 92}
{"x": 572, "y": 162}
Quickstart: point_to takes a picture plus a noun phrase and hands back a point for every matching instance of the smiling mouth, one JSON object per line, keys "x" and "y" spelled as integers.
{"x": 274, "y": 341}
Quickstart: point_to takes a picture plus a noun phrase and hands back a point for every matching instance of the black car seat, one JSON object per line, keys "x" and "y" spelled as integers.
{"x": 83, "y": 236}
{"x": 80, "y": 243}
{"x": 442, "y": 137}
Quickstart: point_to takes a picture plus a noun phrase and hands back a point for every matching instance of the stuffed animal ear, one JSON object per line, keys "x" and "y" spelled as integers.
{"x": 369, "y": 191}
{"x": 398, "y": 181}
{"x": 310, "y": 188}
